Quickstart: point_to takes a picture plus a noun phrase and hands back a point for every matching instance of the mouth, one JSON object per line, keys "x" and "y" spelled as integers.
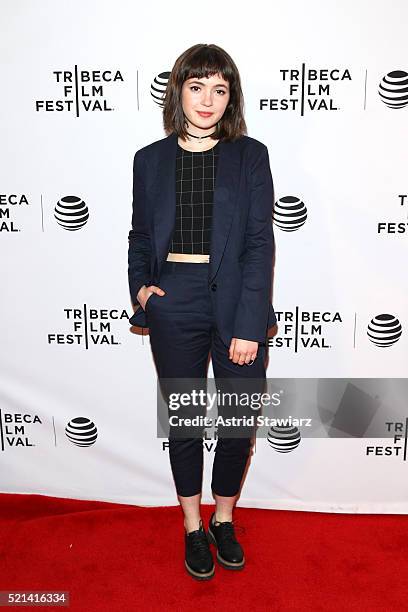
{"x": 204, "y": 114}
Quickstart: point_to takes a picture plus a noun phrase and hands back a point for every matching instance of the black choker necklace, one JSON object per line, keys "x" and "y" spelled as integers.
{"x": 200, "y": 137}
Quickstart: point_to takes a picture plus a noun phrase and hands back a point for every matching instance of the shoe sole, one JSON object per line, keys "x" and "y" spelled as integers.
{"x": 198, "y": 575}
{"x": 223, "y": 562}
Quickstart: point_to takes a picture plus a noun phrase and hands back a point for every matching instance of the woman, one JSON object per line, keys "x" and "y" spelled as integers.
{"x": 200, "y": 266}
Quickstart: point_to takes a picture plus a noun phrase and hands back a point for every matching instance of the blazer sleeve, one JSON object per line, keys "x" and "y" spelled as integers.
{"x": 139, "y": 236}
{"x": 251, "y": 315}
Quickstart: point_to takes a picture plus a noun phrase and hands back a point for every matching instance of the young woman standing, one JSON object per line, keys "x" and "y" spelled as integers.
{"x": 200, "y": 267}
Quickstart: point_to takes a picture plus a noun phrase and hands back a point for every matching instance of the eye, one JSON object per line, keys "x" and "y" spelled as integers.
{"x": 194, "y": 87}
{"x": 222, "y": 91}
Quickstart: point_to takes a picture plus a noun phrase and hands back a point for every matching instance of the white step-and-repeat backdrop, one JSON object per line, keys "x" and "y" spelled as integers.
{"x": 326, "y": 89}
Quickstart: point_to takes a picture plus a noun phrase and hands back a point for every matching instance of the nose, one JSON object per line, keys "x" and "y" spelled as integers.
{"x": 207, "y": 99}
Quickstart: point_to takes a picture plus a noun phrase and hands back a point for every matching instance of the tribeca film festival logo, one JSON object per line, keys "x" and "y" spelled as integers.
{"x": 309, "y": 89}
{"x": 398, "y": 448}
{"x": 89, "y": 327}
{"x": 70, "y": 212}
{"x": 17, "y": 430}
{"x": 80, "y": 91}
{"x": 394, "y": 227}
{"x": 14, "y": 429}
{"x": 302, "y": 329}
{"x": 8, "y": 204}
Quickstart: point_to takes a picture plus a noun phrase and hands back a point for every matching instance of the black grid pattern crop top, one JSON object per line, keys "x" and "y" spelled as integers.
{"x": 195, "y": 180}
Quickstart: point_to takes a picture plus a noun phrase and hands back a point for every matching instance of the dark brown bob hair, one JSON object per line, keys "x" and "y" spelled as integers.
{"x": 204, "y": 61}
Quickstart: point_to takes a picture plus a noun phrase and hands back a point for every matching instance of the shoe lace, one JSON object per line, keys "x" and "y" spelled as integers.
{"x": 199, "y": 542}
{"x": 229, "y": 528}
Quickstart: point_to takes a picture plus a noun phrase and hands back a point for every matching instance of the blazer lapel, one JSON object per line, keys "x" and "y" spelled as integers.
{"x": 225, "y": 199}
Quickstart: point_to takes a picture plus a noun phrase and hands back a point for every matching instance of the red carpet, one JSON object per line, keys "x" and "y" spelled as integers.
{"x": 116, "y": 557}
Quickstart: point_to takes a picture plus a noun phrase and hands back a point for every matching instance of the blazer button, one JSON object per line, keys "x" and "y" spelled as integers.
{"x": 214, "y": 286}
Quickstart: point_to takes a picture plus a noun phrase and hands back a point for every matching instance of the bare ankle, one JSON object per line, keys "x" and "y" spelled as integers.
{"x": 222, "y": 516}
{"x": 192, "y": 524}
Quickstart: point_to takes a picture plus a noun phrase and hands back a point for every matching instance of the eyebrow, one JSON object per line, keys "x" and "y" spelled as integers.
{"x": 216, "y": 85}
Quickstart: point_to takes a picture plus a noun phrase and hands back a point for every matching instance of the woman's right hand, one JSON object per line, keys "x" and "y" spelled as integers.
{"x": 145, "y": 292}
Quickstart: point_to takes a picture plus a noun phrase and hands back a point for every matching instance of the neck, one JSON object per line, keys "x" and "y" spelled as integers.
{"x": 205, "y": 145}
{"x": 201, "y": 141}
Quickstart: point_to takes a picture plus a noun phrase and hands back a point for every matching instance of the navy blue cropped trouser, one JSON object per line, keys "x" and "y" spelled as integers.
{"x": 183, "y": 334}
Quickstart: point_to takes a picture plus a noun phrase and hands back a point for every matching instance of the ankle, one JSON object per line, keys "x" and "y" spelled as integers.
{"x": 192, "y": 524}
{"x": 222, "y": 516}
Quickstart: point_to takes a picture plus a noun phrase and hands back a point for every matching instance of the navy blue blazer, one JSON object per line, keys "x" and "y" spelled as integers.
{"x": 242, "y": 240}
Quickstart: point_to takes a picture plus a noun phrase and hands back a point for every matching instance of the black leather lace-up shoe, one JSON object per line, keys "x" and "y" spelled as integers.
{"x": 229, "y": 551}
{"x": 199, "y": 561}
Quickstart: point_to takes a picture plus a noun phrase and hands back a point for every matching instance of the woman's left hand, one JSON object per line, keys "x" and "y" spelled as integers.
{"x": 243, "y": 351}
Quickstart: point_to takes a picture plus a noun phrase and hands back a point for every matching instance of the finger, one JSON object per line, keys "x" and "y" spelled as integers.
{"x": 242, "y": 358}
{"x": 156, "y": 289}
{"x": 239, "y": 357}
{"x": 232, "y": 348}
{"x": 235, "y": 356}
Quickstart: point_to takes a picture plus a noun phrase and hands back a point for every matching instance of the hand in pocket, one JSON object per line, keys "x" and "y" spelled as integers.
{"x": 145, "y": 293}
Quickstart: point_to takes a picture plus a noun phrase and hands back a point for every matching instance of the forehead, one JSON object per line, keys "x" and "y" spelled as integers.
{"x": 215, "y": 79}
